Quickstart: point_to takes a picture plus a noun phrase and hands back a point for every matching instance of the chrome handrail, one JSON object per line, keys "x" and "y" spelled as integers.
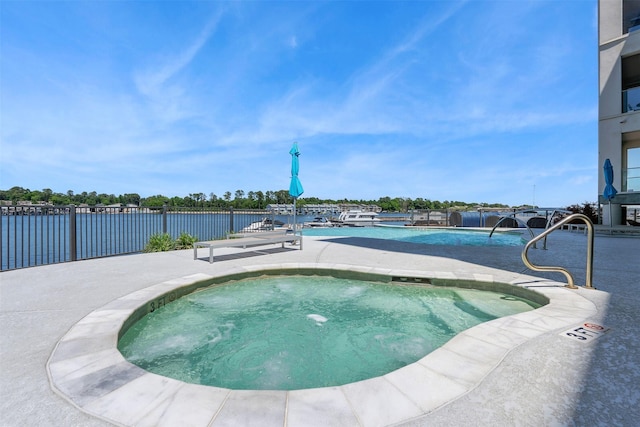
{"x": 544, "y": 234}
{"x": 549, "y": 220}
{"x": 519, "y": 221}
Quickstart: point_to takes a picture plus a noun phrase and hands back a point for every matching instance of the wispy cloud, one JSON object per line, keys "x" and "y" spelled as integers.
{"x": 156, "y": 79}
{"x": 378, "y": 97}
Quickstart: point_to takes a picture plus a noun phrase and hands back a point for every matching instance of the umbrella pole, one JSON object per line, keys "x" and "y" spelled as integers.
{"x": 610, "y": 219}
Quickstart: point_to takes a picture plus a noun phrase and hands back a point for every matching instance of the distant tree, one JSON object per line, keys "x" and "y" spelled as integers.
{"x": 59, "y": 199}
{"x": 131, "y": 199}
{"x": 35, "y": 196}
{"x": 313, "y": 200}
{"x": 388, "y": 204}
{"x": 195, "y": 199}
{"x": 260, "y": 199}
{"x": 270, "y": 197}
{"x": 106, "y": 199}
{"x": 46, "y": 194}
{"x": 419, "y": 203}
{"x": 587, "y": 208}
{"x": 90, "y": 199}
{"x": 254, "y": 199}
{"x": 283, "y": 197}
{"x": 16, "y": 194}
{"x": 155, "y": 201}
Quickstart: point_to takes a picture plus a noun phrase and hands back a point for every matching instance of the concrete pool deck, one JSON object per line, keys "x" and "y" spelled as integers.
{"x": 545, "y": 379}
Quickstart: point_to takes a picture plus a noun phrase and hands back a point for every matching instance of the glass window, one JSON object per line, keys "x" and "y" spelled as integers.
{"x": 631, "y": 175}
{"x": 630, "y": 16}
{"x": 631, "y": 83}
{"x": 630, "y": 72}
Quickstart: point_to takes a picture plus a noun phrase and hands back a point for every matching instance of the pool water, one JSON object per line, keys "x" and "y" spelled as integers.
{"x": 438, "y": 236}
{"x": 296, "y": 332}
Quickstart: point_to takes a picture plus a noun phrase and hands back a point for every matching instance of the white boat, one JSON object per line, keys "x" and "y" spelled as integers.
{"x": 266, "y": 224}
{"x": 356, "y": 218}
{"x": 318, "y": 222}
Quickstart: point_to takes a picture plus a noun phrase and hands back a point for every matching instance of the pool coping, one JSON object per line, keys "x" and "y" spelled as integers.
{"x": 86, "y": 368}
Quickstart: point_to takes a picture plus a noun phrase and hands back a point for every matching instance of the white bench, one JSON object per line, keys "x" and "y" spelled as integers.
{"x": 247, "y": 240}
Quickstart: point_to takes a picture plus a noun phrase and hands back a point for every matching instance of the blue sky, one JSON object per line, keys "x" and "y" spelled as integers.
{"x": 475, "y": 101}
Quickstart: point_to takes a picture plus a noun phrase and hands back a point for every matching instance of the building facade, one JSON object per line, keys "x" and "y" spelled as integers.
{"x": 619, "y": 105}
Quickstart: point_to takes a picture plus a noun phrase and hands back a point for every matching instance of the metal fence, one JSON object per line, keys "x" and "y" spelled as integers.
{"x": 33, "y": 235}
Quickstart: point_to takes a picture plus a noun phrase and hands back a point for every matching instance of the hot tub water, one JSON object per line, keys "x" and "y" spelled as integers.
{"x": 295, "y": 332}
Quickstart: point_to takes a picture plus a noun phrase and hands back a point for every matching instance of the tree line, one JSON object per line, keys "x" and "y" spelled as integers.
{"x": 238, "y": 200}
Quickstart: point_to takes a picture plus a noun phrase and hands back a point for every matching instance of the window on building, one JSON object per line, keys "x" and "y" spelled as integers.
{"x": 630, "y": 16}
{"x": 631, "y": 83}
{"x": 631, "y": 170}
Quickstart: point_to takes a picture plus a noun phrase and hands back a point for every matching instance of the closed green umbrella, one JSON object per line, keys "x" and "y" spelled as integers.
{"x": 295, "y": 188}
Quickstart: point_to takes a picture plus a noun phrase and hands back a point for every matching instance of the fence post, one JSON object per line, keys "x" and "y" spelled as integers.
{"x": 164, "y": 219}
{"x": 73, "y": 245}
{"x": 230, "y": 220}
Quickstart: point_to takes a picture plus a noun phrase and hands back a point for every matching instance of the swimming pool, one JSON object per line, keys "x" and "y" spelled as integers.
{"x": 295, "y": 332}
{"x": 427, "y": 236}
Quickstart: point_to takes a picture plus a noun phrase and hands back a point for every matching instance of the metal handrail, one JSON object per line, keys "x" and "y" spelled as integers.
{"x": 549, "y": 219}
{"x": 544, "y": 234}
{"x": 518, "y": 220}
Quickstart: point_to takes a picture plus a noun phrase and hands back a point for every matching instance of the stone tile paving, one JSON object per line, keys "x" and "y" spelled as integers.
{"x": 546, "y": 379}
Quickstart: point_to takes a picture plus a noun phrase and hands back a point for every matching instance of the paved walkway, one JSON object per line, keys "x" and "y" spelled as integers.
{"x": 546, "y": 380}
